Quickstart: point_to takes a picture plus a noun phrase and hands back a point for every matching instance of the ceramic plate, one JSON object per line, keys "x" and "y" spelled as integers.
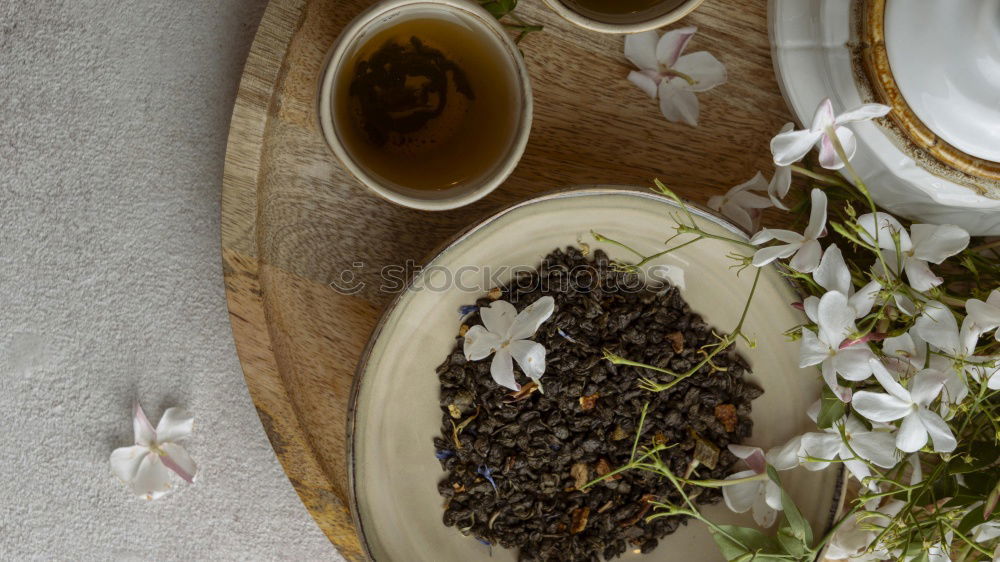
{"x": 395, "y": 414}
{"x": 810, "y": 42}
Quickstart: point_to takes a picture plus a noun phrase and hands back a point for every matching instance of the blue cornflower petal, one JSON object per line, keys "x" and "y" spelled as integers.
{"x": 567, "y": 336}
{"x": 486, "y": 473}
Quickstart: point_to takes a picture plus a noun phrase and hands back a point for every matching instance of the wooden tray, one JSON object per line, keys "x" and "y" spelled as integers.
{"x": 293, "y": 219}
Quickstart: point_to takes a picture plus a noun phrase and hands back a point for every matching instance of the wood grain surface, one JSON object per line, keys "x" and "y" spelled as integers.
{"x": 293, "y": 220}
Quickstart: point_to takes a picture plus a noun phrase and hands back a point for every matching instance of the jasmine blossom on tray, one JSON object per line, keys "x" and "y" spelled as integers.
{"x": 827, "y": 128}
{"x": 909, "y": 405}
{"x": 902, "y": 322}
{"x": 781, "y": 181}
{"x": 986, "y": 314}
{"x": 740, "y": 204}
{"x": 145, "y": 467}
{"x": 930, "y": 243}
{"x": 667, "y": 73}
{"x": 804, "y": 249}
{"x": 761, "y": 495}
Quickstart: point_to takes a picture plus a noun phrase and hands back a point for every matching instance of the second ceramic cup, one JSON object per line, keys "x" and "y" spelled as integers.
{"x": 426, "y": 102}
{"x": 622, "y": 16}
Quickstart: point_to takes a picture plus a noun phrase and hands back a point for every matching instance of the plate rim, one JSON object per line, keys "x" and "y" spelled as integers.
{"x": 585, "y": 190}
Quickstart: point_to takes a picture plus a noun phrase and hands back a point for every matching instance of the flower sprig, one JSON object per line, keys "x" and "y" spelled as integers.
{"x": 708, "y": 352}
{"x": 903, "y": 324}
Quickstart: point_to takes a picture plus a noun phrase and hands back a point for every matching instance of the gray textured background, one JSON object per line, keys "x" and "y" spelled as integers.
{"x": 113, "y": 122}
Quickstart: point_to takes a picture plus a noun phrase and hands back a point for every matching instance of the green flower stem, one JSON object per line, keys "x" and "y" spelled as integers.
{"x": 601, "y": 238}
{"x": 724, "y": 483}
{"x": 859, "y": 184}
{"x": 642, "y": 422}
{"x": 652, "y": 257}
{"x": 986, "y": 246}
{"x": 523, "y": 30}
{"x": 684, "y": 229}
{"x": 825, "y": 178}
{"x": 694, "y": 513}
{"x": 662, "y": 189}
{"x": 722, "y": 345}
{"x": 644, "y": 259}
{"x": 638, "y": 463}
{"x": 619, "y": 360}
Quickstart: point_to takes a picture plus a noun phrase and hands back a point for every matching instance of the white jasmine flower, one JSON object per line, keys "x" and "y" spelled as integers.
{"x": 874, "y": 445}
{"x": 781, "y": 181}
{"x": 787, "y": 456}
{"x": 664, "y": 72}
{"x": 505, "y": 333}
{"x": 146, "y": 466}
{"x": 791, "y": 146}
{"x": 905, "y": 353}
{"x": 901, "y": 297}
{"x": 911, "y": 406}
{"x": 834, "y": 318}
{"x": 854, "y": 537}
{"x": 834, "y": 275}
{"x": 804, "y": 247}
{"x": 986, "y": 314}
{"x": 762, "y": 495}
{"x": 937, "y": 326}
{"x": 925, "y": 243}
{"x": 986, "y": 531}
{"x": 938, "y": 552}
{"x": 740, "y": 204}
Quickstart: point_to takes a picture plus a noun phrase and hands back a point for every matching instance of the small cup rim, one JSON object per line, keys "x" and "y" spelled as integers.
{"x": 585, "y": 22}
{"x": 337, "y": 56}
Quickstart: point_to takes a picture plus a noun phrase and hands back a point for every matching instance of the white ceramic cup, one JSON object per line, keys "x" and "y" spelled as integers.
{"x": 389, "y": 13}
{"x": 655, "y": 17}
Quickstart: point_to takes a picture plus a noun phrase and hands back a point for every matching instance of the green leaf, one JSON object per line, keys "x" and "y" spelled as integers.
{"x": 942, "y": 488}
{"x": 798, "y": 525}
{"x": 970, "y": 265}
{"x": 981, "y": 482}
{"x": 850, "y": 235}
{"x": 982, "y": 455}
{"x": 495, "y": 9}
{"x": 792, "y": 544}
{"x": 831, "y": 409}
{"x": 743, "y": 543}
{"x": 972, "y": 518}
{"x": 498, "y": 8}
{"x": 963, "y": 498}
{"x": 991, "y": 501}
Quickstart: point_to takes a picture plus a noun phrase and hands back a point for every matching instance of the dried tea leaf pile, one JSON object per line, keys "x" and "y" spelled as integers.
{"x": 515, "y": 461}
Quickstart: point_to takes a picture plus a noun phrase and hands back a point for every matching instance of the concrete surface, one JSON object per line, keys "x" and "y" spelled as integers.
{"x": 113, "y": 122}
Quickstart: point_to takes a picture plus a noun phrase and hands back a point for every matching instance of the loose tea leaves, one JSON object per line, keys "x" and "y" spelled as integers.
{"x": 403, "y": 86}
{"x": 538, "y": 449}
